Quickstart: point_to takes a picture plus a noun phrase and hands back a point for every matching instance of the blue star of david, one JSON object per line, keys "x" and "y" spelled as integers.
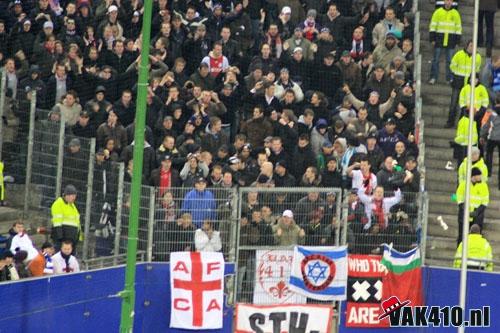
{"x": 316, "y": 267}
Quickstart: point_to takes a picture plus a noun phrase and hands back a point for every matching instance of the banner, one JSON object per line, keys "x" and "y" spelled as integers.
{"x": 320, "y": 272}
{"x": 364, "y": 291}
{"x": 197, "y": 285}
{"x": 272, "y": 275}
{"x": 404, "y": 276}
{"x": 308, "y": 318}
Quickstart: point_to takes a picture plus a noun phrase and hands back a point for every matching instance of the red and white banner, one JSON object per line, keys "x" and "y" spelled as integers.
{"x": 272, "y": 278}
{"x": 364, "y": 291}
{"x": 197, "y": 284}
{"x": 283, "y": 318}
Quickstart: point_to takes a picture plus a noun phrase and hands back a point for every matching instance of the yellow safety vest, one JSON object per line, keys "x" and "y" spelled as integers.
{"x": 461, "y": 64}
{"x": 446, "y": 22}
{"x": 64, "y": 213}
{"x": 481, "y": 97}
{"x": 479, "y": 195}
{"x": 478, "y": 164}
{"x": 462, "y": 133}
{"x": 477, "y": 248}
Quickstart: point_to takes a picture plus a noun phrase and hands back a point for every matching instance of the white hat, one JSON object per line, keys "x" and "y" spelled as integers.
{"x": 288, "y": 213}
{"x": 297, "y": 49}
{"x": 112, "y": 8}
{"x": 286, "y": 10}
{"x": 48, "y": 24}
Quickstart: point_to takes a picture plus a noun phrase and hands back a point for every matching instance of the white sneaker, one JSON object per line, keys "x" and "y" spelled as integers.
{"x": 449, "y": 166}
{"x": 432, "y": 81}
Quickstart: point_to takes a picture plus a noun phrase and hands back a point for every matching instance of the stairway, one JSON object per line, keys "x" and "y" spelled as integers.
{"x": 441, "y": 183}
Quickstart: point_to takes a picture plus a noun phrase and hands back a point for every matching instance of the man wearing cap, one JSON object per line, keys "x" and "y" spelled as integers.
{"x": 294, "y": 8}
{"x": 385, "y": 52}
{"x": 22, "y": 39}
{"x": 65, "y": 218}
{"x": 285, "y": 25}
{"x": 479, "y": 199}
{"x": 200, "y": 203}
{"x": 298, "y": 42}
{"x": 287, "y": 232}
{"x": 110, "y": 20}
{"x": 281, "y": 177}
{"x": 390, "y": 22}
{"x": 389, "y": 136}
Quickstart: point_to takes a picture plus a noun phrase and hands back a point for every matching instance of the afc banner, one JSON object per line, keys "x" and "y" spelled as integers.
{"x": 306, "y": 318}
{"x": 364, "y": 291}
{"x": 197, "y": 290}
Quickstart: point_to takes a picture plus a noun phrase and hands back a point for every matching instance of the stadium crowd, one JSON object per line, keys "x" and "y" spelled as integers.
{"x": 310, "y": 93}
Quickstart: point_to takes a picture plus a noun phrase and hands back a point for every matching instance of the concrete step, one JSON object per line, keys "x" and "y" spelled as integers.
{"x": 8, "y": 214}
{"x": 441, "y": 204}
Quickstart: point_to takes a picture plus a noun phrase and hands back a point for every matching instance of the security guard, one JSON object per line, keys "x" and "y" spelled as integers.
{"x": 445, "y": 30}
{"x": 2, "y": 185}
{"x": 478, "y": 248}
{"x": 481, "y": 96}
{"x": 65, "y": 218}
{"x": 479, "y": 199}
{"x": 461, "y": 137}
{"x": 461, "y": 67}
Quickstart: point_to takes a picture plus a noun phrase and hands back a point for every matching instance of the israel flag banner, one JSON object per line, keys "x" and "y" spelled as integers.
{"x": 320, "y": 272}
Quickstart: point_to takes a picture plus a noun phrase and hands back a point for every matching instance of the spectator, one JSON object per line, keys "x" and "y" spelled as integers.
{"x": 330, "y": 176}
{"x": 257, "y": 128}
{"x": 42, "y": 264}
{"x": 389, "y": 23}
{"x": 479, "y": 252}
{"x": 180, "y": 235}
{"x": 390, "y": 176}
{"x": 314, "y": 230}
{"x": 193, "y": 169}
{"x": 206, "y": 239}
{"x": 487, "y": 10}
{"x": 384, "y": 53}
{"x": 490, "y": 136}
{"x": 303, "y": 157}
{"x": 281, "y": 176}
{"x": 22, "y": 242}
{"x": 360, "y": 127}
{"x": 8, "y": 271}
{"x": 165, "y": 176}
{"x": 389, "y": 136}
{"x": 64, "y": 261}
{"x": 362, "y": 176}
{"x": 199, "y": 202}
{"x": 286, "y": 232}
{"x": 112, "y": 129}
{"x": 284, "y": 83}
{"x": 377, "y": 207}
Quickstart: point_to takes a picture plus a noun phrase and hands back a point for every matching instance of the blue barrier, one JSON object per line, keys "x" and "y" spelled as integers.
{"x": 88, "y": 302}
{"x": 441, "y": 286}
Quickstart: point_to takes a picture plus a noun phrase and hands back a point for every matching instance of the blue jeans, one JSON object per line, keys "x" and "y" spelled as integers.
{"x": 435, "y": 62}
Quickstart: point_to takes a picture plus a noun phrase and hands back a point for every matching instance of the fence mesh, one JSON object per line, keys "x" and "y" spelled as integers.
{"x": 272, "y": 222}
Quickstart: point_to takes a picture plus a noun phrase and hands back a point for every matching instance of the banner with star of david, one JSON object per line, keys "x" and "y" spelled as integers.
{"x": 320, "y": 272}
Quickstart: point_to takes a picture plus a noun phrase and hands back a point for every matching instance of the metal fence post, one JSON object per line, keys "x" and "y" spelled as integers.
{"x": 345, "y": 213}
{"x": 236, "y": 236}
{"x": 425, "y": 218}
{"x": 60, "y": 156}
{"x": 29, "y": 157}
{"x": 338, "y": 207}
{"x": 119, "y": 206}
{"x": 151, "y": 223}
{"x": 88, "y": 203}
{"x": 2, "y": 106}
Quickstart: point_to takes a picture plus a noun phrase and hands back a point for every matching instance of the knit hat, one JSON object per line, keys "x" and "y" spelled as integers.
{"x": 475, "y": 172}
{"x": 69, "y": 190}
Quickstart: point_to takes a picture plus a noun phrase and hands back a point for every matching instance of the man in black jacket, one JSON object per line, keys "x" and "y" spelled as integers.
{"x": 281, "y": 177}
{"x": 303, "y": 157}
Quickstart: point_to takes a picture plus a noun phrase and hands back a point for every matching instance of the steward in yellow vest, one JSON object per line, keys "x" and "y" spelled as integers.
{"x": 65, "y": 217}
{"x": 478, "y": 249}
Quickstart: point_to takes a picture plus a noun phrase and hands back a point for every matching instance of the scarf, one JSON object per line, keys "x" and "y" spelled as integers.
{"x": 49, "y": 266}
{"x": 66, "y": 258}
{"x": 367, "y": 183}
{"x": 378, "y": 212}
{"x": 357, "y": 49}
{"x": 165, "y": 180}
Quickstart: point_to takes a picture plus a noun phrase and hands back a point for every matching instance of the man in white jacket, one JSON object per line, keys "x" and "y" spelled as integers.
{"x": 207, "y": 239}
{"x": 22, "y": 242}
{"x": 377, "y": 207}
{"x": 64, "y": 261}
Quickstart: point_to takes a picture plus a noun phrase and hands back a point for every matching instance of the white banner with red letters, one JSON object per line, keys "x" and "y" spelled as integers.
{"x": 283, "y": 318}
{"x": 197, "y": 290}
{"x": 272, "y": 275}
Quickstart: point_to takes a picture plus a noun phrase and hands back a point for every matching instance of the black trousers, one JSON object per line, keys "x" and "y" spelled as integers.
{"x": 452, "y": 113}
{"x": 489, "y": 18}
{"x": 490, "y": 149}
{"x": 478, "y": 219}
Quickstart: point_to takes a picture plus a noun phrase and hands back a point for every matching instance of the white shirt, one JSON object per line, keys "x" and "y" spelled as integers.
{"x": 60, "y": 264}
{"x": 24, "y": 243}
{"x": 358, "y": 179}
{"x": 203, "y": 243}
